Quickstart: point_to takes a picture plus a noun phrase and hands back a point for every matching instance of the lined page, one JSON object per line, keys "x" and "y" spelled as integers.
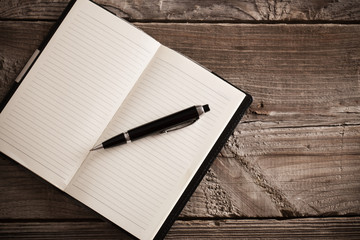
{"x": 136, "y": 185}
{"x": 72, "y": 91}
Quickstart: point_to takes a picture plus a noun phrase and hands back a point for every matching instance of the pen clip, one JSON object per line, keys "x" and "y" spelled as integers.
{"x": 177, "y": 127}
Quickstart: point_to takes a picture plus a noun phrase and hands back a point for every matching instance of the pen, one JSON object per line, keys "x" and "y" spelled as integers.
{"x": 165, "y": 124}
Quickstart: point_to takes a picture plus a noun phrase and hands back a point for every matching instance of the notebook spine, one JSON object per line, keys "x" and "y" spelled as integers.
{"x": 56, "y": 25}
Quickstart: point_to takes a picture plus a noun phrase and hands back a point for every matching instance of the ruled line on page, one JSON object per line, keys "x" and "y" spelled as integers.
{"x": 43, "y": 124}
{"x": 88, "y": 75}
{"x": 53, "y": 114}
{"x": 98, "y": 198}
{"x": 22, "y": 150}
{"x": 138, "y": 206}
{"x": 65, "y": 104}
{"x": 43, "y": 147}
{"x": 108, "y": 60}
{"x": 84, "y": 79}
{"x": 114, "y": 197}
{"x": 110, "y": 171}
{"x": 34, "y": 155}
{"x": 68, "y": 92}
{"x": 113, "y": 31}
{"x": 108, "y": 200}
{"x": 81, "y": 51}
{"x": 199, "y": 84}
{"x": 109, "y": 44}
{"x": 138, "y": 172}
{"x": 95, "y": 64}
{"x": 46, "y": 150}
{"x": 43, "y": 133}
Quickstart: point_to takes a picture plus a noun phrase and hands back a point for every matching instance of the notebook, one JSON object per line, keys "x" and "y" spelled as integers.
{"x": 96, "y": 76}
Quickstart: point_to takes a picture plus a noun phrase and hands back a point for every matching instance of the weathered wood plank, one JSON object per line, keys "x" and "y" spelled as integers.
{"x": 312, "y": 228}
{"x": 188, "y": 10}
{"x": 305, "y": 116}
{"x": 62, "y": 230}
{"x": 300, "y": 75}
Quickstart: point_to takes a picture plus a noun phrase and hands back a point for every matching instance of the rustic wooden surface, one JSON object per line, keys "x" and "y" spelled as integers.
{"x": 292, "y": 167}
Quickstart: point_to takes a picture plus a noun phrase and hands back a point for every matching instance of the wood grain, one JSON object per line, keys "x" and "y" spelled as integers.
{"x": 297, "y": 150}
{"x": 309, "y": 228}
{"x": 204, "y": 10}
{"x": 301, "y": 75}
{"x": 62, "y": 230}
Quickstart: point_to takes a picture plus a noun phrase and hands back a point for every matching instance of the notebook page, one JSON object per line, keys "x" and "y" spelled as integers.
{"x": 72, "y": 91}
{"x": 136, "y": 185}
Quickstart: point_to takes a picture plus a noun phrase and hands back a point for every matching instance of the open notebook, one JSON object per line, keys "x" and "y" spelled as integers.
{"x": 95, "y": 77}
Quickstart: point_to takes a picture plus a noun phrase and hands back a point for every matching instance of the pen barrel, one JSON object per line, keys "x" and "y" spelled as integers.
{"x": 167, "y": 122}
{"x": 114, "y": 141}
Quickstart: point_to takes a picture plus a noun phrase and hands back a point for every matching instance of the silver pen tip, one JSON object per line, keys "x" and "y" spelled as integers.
{"x": 97, "y": 147}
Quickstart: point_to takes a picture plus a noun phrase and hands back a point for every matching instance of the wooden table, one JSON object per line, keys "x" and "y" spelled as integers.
{"x": 292, "y": 167}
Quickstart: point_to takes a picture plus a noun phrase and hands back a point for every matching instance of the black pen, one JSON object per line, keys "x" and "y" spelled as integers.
{"x": 166, "y": 124}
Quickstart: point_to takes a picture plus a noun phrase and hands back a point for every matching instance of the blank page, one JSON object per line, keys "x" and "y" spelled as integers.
{"x": 136, "y": 185}
{"x": 72, "y": 91}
